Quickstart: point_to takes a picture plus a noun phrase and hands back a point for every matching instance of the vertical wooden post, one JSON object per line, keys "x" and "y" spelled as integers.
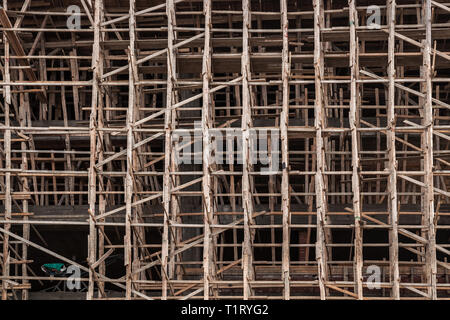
{"x": 168, "y": 125}
{"x": 68, "y": 182}
{"x": 208, "y": 182}
{"x": 284, "y": 122}
{"x": 354, "y": 123}
{"x": 247, "y": 202}
{"x": 429, "y": 213}
{"x": 7, "y": 151}
{"x": 92, "y": 175}
{"x": 392, "y": 164}
{"x": 130, "y": 142}
{"x": 103, "y": 142}
{"x": 23, "y": 121}
{"x": 320, "y": 185}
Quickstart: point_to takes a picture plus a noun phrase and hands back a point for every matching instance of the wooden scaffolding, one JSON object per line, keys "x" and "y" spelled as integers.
{"x": 227, "y": 149}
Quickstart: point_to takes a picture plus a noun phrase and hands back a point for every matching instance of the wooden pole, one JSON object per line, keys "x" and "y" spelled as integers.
{"x": 392, "y": 164}
{"x": 428, "y": 204}
{"x": 130, "y": 143}
{"x": 7, "y": 152}
{"x": 247, "y": 201}
{"x": 354, "y": 124}
{"x": 320, "y": 185}
{"x": 284, "y": 123}
{"x": 102, "y": 159}
{"x": 92, "y": 186}
{"x": 169, "y": 123}
{"x": 209, "y": 264}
